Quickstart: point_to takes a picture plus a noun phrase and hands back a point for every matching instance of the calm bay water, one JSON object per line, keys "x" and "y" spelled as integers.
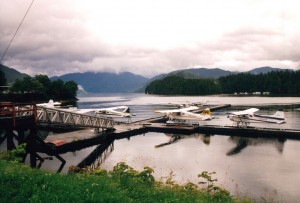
{"x": 255, "y": 167}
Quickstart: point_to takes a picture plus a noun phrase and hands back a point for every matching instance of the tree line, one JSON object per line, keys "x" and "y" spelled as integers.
{"x": 2, "y": 78}
{"x": 176, "y": 85}
{"x": 42, "y": 86}
{"x": 277, "y": 83}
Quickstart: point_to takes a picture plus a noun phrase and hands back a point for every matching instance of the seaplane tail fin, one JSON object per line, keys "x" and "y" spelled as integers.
{"x": 126, "y": 110}
{"x": 206, "y": 112}
{"x": 206, "y": 115}
{"x": 279, "y": 115}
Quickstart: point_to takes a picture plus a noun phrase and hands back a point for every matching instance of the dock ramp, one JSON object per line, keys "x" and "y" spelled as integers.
{"x": 65, "y": 118}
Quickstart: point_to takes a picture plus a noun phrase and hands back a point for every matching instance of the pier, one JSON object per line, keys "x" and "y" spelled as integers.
{"x": 17, "y": 119}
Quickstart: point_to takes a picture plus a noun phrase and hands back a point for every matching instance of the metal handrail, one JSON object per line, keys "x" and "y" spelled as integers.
{"x": 65, "y": 117}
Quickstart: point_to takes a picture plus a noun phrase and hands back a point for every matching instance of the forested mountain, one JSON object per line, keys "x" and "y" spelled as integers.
{"x": 11, "y": 74}
{"x": 191, "y": 73}
{"x": 106, "y": 82}
{"x": 275, "y": 82}
{"x": 203, "y": 72}
{"x": 212, "y": 73}
{"x": 2, "y": 79}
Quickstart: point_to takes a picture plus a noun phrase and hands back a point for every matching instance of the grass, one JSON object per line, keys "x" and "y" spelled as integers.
{"x": 21, "y": 183}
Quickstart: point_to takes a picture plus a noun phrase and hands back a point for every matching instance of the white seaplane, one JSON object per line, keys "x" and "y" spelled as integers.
{"x": 114, "y": 112}
{"x": 186, "y": 114}
{"x": 244, "y": 118}
{"x": 50, "y": 104}
{"x": 117, "y": 111}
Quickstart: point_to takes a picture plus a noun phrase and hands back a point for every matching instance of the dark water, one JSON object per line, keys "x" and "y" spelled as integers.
{"x": 259, "y": 168}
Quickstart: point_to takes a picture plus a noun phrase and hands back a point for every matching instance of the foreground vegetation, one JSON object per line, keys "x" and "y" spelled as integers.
{"x": 20, "y": 183}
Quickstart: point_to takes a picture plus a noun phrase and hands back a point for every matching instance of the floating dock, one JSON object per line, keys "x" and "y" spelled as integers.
{"x": 84, "y": 138}
{"x": 55, "y": 144}
{"x": 87, "y": 137}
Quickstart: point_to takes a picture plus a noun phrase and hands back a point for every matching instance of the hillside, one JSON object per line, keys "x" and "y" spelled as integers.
{"x": 191, "y": 73}
{"x": 203, "y": 72}
{"x": 106, "y": 82}
{"x": 264, "y": 70}
{"x": 11, "y": 74}
{"x": 274, "y": 81}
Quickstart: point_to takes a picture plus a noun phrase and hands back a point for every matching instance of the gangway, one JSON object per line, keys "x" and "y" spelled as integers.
{"x": 65, "y": 118}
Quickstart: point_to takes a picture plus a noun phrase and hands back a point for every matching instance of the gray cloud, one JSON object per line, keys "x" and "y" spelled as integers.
{"x": 55, "y": 39}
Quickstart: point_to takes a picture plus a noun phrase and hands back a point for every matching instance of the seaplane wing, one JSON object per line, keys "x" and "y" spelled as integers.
{"x": 185, "y": 113}
{"x": 202, "y": 116}
{"x": 187, "y": 109}
{"x": 84, "y": 111}
{"x": 250, "y": 111}
{"x": 121, "y": 111}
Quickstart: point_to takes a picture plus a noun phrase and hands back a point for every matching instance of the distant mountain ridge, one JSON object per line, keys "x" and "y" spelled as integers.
{"x": 104, "y": 82}
{"x": 205, "y": 73}
{"x": 265, "y": 69}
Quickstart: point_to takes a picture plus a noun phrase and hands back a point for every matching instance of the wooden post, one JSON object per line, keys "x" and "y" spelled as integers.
{"x": 32, "y": 160}
{"x": 10, "y": 139}
{"x": 21, "y": 136}
{"x": 33, "y": 154}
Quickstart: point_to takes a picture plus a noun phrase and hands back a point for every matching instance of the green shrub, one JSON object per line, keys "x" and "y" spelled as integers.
{"x": 20, "y": 183}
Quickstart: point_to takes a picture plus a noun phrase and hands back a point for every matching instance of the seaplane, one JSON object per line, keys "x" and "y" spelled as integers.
{"x": 50, "y": 104}
{"x": 186, "y": 113}
{"x": 244, "y": 118}
{"x": 116, "y": 112}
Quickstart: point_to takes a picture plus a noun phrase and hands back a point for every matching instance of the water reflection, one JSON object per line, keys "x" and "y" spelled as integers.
{"x": 192, "y": 154}
{"x": 242, "y": 143}
{"x": 98, "y": 156}
{"x": 176, "y": 137}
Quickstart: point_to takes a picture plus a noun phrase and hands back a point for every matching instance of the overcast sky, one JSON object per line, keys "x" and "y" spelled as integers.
{"x": 149, "y": 37}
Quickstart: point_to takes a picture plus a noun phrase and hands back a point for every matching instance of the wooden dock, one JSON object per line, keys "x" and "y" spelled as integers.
{"x": 59, "y": 143}
{"x": 84, "y": 138}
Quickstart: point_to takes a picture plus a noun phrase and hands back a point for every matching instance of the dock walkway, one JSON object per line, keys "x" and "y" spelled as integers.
{"x": 83, "y": 138}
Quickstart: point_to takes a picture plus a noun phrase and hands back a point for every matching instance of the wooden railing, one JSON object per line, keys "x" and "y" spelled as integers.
{"x": 52, "y": 116}
{"x": 15, "y": 110}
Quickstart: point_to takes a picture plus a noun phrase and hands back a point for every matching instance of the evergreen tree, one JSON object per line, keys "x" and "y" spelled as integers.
{"x": 2, "y": 78}
{"x": 41, "y": 84}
